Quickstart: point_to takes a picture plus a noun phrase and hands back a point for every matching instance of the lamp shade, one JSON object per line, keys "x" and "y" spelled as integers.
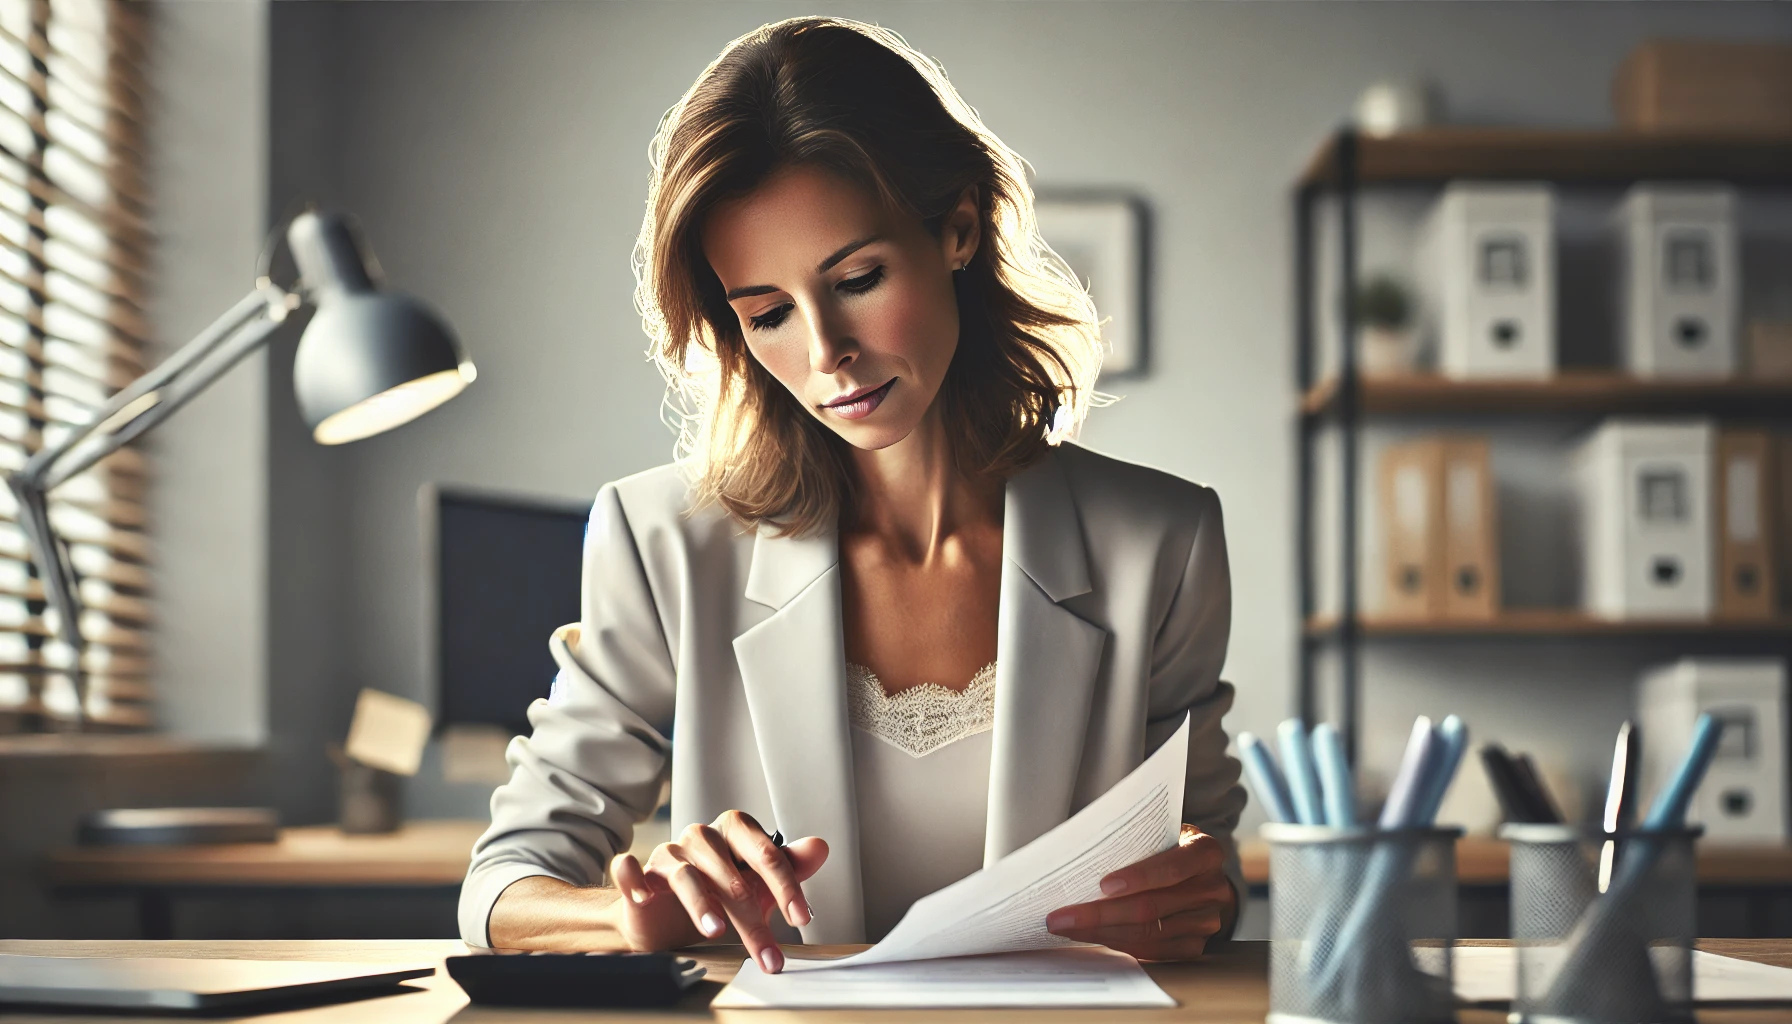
{"x": 369, "y": 360}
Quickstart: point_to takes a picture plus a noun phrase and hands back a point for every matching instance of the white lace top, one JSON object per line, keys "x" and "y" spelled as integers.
{"x": 921, "y": 773}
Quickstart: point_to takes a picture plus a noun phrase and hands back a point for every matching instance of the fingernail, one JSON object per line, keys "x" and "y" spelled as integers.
{"x": 799, "y": 912}
{"x": 1113, "y": 885}
{"x": 712, "y": 925}
{"x": 771, "y": 960}
{"x": 1059, "y": 921}
{"x": 638, "y": 895}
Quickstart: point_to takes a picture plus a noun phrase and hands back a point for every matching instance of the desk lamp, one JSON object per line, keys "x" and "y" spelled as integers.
{"x": 368, "y": 361}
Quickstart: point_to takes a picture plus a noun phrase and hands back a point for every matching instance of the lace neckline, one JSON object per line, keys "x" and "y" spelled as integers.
{"x": 924, "y": 718}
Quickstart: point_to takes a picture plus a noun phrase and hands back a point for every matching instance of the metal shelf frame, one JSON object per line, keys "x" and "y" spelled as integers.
{"x": 1342, "y": 166}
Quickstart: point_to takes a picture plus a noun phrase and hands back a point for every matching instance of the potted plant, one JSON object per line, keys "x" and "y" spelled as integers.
{"x": 1384, "y": 309}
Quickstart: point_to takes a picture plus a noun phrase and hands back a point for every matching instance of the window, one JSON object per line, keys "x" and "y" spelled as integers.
{"x": 74, "y": 252}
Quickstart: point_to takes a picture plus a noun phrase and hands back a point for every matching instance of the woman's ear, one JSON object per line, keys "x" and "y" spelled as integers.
{"x": 963, "y": 229}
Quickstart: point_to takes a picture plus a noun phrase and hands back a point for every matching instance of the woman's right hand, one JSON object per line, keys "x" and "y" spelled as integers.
{"x": 710, "y": 876}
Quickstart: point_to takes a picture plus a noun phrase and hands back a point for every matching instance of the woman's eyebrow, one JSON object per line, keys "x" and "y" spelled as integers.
{"x": 839, "y": 254}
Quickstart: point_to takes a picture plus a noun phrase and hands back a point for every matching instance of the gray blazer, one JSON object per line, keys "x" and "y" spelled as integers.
{"x": 1115, "y": 607}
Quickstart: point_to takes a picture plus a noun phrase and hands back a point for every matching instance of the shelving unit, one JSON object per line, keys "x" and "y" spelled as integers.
{"x": 1344, "y": 164}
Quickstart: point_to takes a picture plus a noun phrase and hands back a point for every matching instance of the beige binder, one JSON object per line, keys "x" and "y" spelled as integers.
{"x": 1782, "y": 532}
{"x": 1412, "y": 529}
{"x": 1471, "y": 567}
{"x": 1745, "y": 525}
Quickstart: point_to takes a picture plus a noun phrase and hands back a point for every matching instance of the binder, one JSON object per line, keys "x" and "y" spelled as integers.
{"x": 1678, "y": 280}
{"x": 1645, "y": 515}
{"x": 1412, "y": 529}
{"x": 1783, "y": 518}
{"x": 1744, "y": 492}
{"x": 1743, "y": 798}
{"x": 1486, "y": 276}
{"x": 1471, "y": 581}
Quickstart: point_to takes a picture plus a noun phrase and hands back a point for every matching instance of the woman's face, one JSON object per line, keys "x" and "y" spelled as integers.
{"x": 849, "y": 306}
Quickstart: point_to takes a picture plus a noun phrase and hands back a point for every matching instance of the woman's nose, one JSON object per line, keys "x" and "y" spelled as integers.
{"x": 831, "y": 347}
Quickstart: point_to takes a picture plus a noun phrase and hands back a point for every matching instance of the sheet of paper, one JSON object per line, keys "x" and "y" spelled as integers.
{"x": 1002, "y": 908}
{"x": 1083, "y": 976}
{"x": 1484, "y": 974}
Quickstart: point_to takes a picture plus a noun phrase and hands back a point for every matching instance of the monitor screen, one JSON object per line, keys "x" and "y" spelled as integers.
{"x": 507, "y": 575}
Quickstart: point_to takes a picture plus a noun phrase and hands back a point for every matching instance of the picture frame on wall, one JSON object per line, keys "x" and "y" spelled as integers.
{"x": 1103, "y": 236}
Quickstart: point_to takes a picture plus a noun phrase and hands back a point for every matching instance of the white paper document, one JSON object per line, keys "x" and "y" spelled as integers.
{"x": 1083, "y": 976}
{"x": 1484, "y": 974}
{"x": 1002, "y": 908}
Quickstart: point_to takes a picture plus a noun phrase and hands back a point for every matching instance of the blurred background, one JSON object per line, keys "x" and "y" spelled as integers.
{"x": 1556, "y": 453}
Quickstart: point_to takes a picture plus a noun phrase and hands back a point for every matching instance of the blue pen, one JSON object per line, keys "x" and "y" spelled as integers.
{"x": 1402, "y": 808}
{"x": 1334, "y": 776}
{"x": 1260, "y": 768}
{"x": 1297, "y": 760}
{"x": 1452, "y": 738}
{"x": 1669, "y": 809}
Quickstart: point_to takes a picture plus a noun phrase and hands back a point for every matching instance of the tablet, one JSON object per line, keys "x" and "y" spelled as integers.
{"x": 172, "y": 983}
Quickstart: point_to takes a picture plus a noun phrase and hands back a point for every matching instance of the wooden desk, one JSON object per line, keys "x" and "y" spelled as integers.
{"x": 421, "y": 855}
{"x": 1481, "y": 860}
{"x": 1226, "y": 988}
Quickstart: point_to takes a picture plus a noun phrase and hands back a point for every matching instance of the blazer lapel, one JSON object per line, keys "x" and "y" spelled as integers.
{"x": 793, "y": 668}
{"x": 1047, "y": 658}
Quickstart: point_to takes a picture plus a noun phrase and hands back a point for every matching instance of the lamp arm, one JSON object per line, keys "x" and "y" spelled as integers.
{"x": 136, "y": 409}
{"x": 104, "y": 438}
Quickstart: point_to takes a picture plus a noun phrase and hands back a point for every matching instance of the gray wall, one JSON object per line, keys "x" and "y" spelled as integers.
{"x": 497, "y": 156}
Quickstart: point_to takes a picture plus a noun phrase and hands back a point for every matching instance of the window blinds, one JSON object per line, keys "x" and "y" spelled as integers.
{"x": 74, "y": 251}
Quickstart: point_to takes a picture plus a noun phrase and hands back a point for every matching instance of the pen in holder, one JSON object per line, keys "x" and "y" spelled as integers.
{"x": 1623, "y": 956}
{"x": 1361, "y": 924}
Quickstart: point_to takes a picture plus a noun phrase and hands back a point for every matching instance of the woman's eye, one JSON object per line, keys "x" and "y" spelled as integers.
{"x": 765, "y": 321}
{"x": 864, "y": 282}
{"x": 853, "y": 285}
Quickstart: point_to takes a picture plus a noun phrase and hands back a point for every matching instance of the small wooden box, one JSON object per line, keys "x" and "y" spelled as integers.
{"x": 1705, "y": 85}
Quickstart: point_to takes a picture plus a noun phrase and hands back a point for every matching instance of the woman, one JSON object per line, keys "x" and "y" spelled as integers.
{"x": 891, "y": 609}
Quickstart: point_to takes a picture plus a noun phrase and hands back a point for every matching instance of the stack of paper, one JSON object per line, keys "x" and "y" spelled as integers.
{"x": 1001, "y": 910}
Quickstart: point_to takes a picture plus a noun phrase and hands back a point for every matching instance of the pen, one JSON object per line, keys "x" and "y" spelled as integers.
{"x": 1531, "y": 782}
{"x": 1265, "y": 779}
{"x": 1452, "y": 739}
{"x": 1618, "y": 795}
{"x": 1401, "y": 810}
{"x": 1297, "y": 761}
{"x": 1669, "y": 808}
{"x": 1334, "y": 776}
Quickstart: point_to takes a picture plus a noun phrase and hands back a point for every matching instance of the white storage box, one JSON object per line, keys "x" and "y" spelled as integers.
{"x": 1644, "y": 495}
{"x": 1743, "y": 797}
{"x": 1487, "y": 280}
{"x": 1677, "y": 281}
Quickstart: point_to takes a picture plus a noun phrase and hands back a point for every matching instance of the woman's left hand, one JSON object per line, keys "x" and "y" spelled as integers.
{"x": 1164, "y": 907}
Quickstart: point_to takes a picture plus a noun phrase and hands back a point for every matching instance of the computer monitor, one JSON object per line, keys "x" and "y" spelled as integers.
{"x": 504, "y": 575}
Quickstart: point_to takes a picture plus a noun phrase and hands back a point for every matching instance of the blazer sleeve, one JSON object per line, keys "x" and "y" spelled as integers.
{"x": 1185, "y": 676}
{"x": 600, "y": 747}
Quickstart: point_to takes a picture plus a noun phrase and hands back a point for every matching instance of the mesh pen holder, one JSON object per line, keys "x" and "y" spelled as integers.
{"x": 1361, "y": 924}
{"x": 1623, "y": 956}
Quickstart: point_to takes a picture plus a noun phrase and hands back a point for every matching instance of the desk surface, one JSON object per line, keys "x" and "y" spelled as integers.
{"x": 1481, "y": 860}
{"x": 1226, "y": 988}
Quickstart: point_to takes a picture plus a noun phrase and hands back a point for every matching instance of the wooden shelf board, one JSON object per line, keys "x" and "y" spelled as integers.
{"x": 1546, "y": 622}
{"x": 422, "y": 853}
{"x": 1590, "y": 392}
{"x": 1608, "y": 156}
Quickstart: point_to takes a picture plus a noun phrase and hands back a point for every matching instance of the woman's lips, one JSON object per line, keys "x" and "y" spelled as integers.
{"x": 861, "y": 405}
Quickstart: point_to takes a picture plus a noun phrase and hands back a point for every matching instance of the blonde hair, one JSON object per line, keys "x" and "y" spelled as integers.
{"x": 859, "y": 101}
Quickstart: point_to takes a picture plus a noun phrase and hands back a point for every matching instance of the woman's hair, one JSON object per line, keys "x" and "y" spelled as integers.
{"x": 856, "y": 100}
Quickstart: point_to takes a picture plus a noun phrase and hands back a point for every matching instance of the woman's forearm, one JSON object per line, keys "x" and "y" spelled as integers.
{"x": 546, "y": 913}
